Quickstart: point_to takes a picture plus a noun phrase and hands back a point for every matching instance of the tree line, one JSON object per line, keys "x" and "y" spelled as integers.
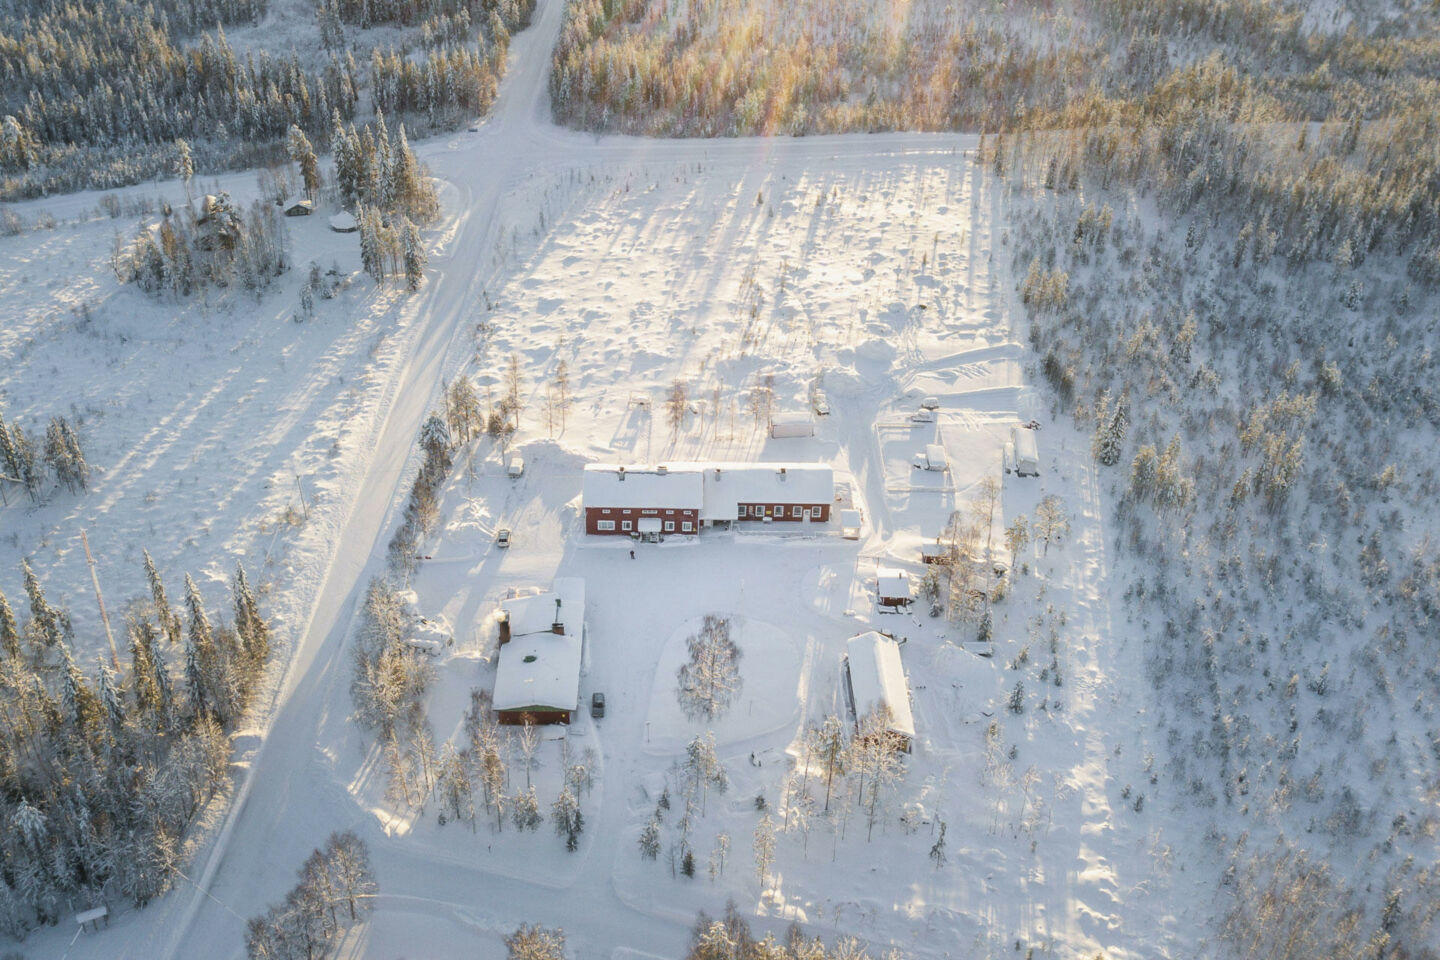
{"x": 101, "y": 773}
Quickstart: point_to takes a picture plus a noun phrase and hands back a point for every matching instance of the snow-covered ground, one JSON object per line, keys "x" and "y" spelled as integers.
{"x": 875, "y": 264}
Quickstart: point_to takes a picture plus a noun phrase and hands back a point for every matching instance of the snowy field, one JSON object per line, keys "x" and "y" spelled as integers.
{"x": 875, "y": 266}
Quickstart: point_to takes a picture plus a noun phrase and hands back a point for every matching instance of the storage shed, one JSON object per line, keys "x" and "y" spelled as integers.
{"x": 892, "y": 588}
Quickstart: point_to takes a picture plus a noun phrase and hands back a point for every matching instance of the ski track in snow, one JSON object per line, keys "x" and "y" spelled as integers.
{"x": 309, "y": 772}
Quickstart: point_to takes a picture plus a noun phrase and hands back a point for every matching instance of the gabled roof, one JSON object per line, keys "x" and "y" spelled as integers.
{"x": 641, "y": 487}
{"x": 538, "y": 668}
{"x": 892, "y": 583}
{"x": 877, "y": 677}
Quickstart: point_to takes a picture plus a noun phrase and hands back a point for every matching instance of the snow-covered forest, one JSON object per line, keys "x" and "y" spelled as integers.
{"x": 95, "y": 96}
{"x": 365, "y": 287}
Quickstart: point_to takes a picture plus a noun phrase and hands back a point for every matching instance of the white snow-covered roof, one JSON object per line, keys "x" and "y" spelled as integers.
{"x": 343, "y": 222}
{"x": 850, "y": 518}
{"x": 729, "y": 484}
{"x": 641, "y": 488}
{"x": 929, "y": 549}
{"x": 538, "y": 667}
{"x": 935, "y": 454}
{"x": 715, "y": 488}
{"x": 893, "y": 583}
{"x": 877, "y": 677}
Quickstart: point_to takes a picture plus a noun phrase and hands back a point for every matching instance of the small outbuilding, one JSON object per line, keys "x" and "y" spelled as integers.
{"x": 793, "y": 425}
{"x": 932, "y": 459}
{"x": 850, "y": 522}
{"x": 1025, "y": 452}
{"x": 892, "y": 589}
{"x": 344, "y": 222}
{"x": 875, "y": 683}
{"x": 300, "y": 208}
{"x": 936, "y": 552}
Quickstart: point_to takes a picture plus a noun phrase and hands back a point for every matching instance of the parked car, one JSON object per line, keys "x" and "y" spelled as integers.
{"x": 597, "y": 705}
{"x": 502, "y": 537}
{"x": 922, "y": 416}
{"x": 929, "y": 403}
{"x": 820, "y": 404}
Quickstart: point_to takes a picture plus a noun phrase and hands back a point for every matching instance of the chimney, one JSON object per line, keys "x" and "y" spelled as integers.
{"x": 717, "y": 473}
{"x": 662, "y": 470}
{"x": 622, "y": 474}
{"x": 558, "y": 626}
{"x": 504, "y": 627}
{"x": 782, "y": 473}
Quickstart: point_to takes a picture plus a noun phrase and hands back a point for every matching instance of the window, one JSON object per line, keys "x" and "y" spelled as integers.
{"x": 815, "y": 513}
{"x": 605, "y": 526}
{"x": 625, "y": 524}
{"x": 669, "y": 513}
{"x": 687, "y": 526}
{"x": 796, "y": 511}
{"x": 779, "y": 510}
{"x": 669, "y": 526}
{"x": 606, "y": 510}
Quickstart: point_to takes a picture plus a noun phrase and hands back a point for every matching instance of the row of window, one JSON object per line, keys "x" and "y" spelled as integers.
{"x": 760, "y": 510}
{"x": 608, "y": 526}
{"x": 668, "y": 513}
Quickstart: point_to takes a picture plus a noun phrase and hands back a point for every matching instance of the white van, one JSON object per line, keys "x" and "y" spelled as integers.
{"x": 1025, "y": 454}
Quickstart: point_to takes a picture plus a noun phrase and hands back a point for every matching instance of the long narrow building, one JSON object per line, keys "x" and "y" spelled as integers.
{"x": 686, "y": 497}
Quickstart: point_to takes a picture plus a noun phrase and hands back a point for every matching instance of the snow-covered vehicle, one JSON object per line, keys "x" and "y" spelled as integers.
{"x": 597, "y": 705}
{"x": 1024, "y": 452}
{"x": 515, "y": 468}
{"x": 820, "y": 404}
{"x": 932, "y": 459}
{"x": 929, "y": 403}
{"x": 502, "y": 537}
{"x": 923, "y": 416}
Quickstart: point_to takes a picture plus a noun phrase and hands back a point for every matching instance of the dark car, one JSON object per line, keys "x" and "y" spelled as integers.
{"x": 597, "y": 705}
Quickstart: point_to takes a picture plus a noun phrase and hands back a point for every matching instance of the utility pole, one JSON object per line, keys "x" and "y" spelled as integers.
{"x": 303, "y": 505}
{"x": 104, "y": 617}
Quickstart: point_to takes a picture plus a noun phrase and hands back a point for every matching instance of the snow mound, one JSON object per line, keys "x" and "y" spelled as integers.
{"x": 844, "y": 383}
{"x": 876, "y": 350}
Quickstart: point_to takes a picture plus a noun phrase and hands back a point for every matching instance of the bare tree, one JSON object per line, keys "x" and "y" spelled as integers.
{"x": 676, "y": 406}
{"x": 710, "y": 682}
{"x": 513, "y": 384}
{"x": 1051, "y": 523}
{"x": 536, "y": 943}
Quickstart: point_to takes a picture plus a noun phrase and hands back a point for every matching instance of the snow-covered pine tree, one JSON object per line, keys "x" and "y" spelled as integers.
{"x": 47, "y": 626}
{"x": 415, "y": 257}
{"x": 9, "y": 630}
{"x": 435, "y": 442}
{"x": 254, "y": 632}
{"x": 300, "y": 150}
{"x": 164, "y": 613}
{"x": 111, "y": 701}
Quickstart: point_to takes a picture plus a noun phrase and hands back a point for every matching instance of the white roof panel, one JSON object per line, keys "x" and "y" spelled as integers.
{"x": 641, "y": 488}
{"x": 878, "y": 677}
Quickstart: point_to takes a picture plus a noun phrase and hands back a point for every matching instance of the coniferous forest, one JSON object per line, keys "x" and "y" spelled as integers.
{"x": 95, "y": 96}
{"x": 104, "y": 765}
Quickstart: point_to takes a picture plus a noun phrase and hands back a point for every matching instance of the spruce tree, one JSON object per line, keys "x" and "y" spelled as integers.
{"x": 254, "y": 632}
{"x": 47, "y": 625}
{"x": 9, "y": 630}
{"x": 169, "y": 619}
{"x": 415, "y": 257}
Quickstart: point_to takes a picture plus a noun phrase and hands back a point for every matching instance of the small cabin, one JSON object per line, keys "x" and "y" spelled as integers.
{"x": 1025, "y": 452}
{"x": 850, "y": 522}
{"x": 300, "y": 208}
{"x": 936, "y": 552}
{"x": 892, "y": 589}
